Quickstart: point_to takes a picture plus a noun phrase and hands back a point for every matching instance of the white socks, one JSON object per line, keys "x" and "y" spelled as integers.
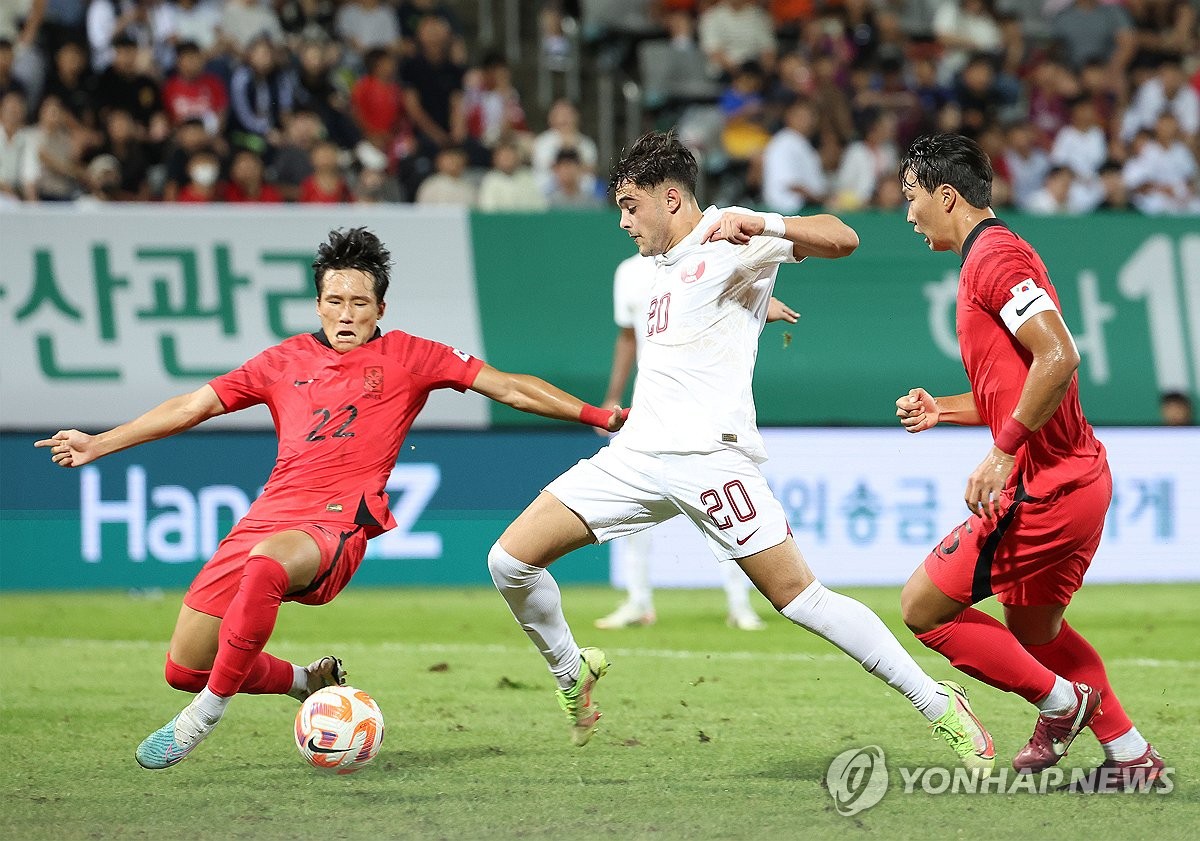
{"x": 1061, "y": 700}
{"x": 534, "y": 599}
{"x": 209, "y": 705}
{"x": 1125, "y": 748}
{"x": 299, "y": 689}
{"x": 856, "y": 630}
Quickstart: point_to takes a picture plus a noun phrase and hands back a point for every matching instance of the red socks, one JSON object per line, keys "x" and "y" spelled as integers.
{"x": 268, "y": 676}
{"x": 1073, "y": 657}
{"x": 246, "y": 628}
{"x": 181, "y": 677}
{"x": 984, "y": 648}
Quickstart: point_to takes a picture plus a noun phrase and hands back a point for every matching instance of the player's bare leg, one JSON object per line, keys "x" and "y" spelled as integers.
{"x": 283, "y": 563}
{"x": 543, "y": 533}
{"x": 782, "y": 575}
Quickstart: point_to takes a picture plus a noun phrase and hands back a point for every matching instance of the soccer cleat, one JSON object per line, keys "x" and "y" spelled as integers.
{"x": 172, "y": 742}
{"x": 965, "y": 734}
{"x": 1052, "y": 735}
{"x": 626, "y": 615}
{"x": 577, "y": 701}
{"x": 1115, "y": 777}
{"x": 745, "y": 620}
{"x": 328, "y": 671}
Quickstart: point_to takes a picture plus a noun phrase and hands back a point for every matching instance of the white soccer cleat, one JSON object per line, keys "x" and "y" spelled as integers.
{"x": 745, "y": 620}
{"x": 627, "y": 615}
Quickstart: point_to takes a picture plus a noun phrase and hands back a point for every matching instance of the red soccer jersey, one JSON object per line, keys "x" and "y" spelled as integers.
{"x": 340, "y": 419}
{"x": 996, "y": 273}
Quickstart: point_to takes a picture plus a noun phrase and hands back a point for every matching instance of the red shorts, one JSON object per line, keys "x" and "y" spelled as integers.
{"x": 342, "y": 546}
{"x": 1035, "y": 553}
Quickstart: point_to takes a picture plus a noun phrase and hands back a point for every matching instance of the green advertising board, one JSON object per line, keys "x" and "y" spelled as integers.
{"x": 873, "y": 324}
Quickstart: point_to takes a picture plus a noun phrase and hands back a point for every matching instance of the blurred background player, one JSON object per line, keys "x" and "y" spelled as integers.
{"x": 631, "y": 284}
{"x": 343, "y": 399}
{"x": 693, "y": 447}
{"x": 1039, "y": 498}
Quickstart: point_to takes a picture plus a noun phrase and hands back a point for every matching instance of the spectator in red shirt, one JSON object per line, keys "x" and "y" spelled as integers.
{"x": 193, "y": 92}
{"x": 247, "y": 182}
{"x": 327, "y": 184}
{"x": 377, "y": 102}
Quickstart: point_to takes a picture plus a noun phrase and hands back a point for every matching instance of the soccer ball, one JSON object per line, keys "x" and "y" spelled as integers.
{"x": 339, "y": 728}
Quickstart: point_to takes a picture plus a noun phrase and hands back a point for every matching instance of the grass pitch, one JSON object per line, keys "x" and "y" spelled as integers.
{"x": 709, "y": 733}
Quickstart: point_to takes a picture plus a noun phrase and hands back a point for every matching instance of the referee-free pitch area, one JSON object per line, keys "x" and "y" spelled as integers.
{"x": 708, "y": 732}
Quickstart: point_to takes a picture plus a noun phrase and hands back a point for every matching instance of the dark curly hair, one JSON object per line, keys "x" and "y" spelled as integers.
{"x": 938, "y": 159}
{"x": 356, "y": 248}
{"x": 654, "y": 159}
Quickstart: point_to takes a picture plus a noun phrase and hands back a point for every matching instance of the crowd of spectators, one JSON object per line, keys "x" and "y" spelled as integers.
{"x": 1082, "y": 104}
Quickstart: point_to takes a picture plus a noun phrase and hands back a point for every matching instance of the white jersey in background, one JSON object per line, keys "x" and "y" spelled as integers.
{"x": 698, "y": 342}
{"x": 631, "y": 293}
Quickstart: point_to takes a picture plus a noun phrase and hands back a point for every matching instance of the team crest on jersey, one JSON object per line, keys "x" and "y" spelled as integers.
{"x": 690, "y": 274}
{"x": 373, "y": 379}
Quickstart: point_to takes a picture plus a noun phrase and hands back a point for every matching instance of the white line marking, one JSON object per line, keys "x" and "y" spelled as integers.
{"x": 521, "y": 650}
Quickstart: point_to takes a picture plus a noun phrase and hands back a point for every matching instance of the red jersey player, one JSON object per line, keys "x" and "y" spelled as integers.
{"x": 342, "y": 399}
{"x": 1038, "y": 499}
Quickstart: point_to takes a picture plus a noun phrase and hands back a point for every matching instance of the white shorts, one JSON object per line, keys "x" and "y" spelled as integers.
{"x": 619, "y": 491}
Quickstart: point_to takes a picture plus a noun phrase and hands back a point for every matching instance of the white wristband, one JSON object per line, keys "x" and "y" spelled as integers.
{"x": 773, "y": 225}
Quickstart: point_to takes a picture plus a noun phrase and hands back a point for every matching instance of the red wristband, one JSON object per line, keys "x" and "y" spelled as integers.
{"x": 594, "y": 416}
{"x": 1012, "y": 435}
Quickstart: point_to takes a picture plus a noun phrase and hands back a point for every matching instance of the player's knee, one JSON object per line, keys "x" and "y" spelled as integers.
{"x": 915, "y": 613}
{"x": 183, "y": 678}
{"x": 504, "y": 568}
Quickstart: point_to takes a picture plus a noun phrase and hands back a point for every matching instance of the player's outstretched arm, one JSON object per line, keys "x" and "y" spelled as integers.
{"x": 538, "y": 397}
{"x": 72, "y": 448}
{"x": 919, "y": 410}
{"x": 624, "y": 358}
{"x": 822, "y": 235}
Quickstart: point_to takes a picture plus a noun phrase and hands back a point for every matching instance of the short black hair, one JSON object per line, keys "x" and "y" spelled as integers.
{"x": 655, "y": 158}
{"x": 356, "y": 248}
{"x": 937, "y": 159}
{"x": 1175, "y": 397}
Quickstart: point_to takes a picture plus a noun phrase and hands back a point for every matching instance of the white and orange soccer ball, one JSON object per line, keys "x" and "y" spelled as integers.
{"x": 339, "y": 728}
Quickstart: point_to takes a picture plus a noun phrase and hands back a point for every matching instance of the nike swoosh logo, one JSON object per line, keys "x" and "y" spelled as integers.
{"x": 315, "y": 748}
{"x": 1021, "y": 310}
{"x": 304, "y": 382}
{"x": 1145, "y": 763}
{"x": 1085, "y": 695}
{"x": 742, "y": 541}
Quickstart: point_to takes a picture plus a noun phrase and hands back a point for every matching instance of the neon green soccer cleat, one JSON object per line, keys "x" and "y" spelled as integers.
{"x": 965, "y": 734}
{"x": 577, "y": 701}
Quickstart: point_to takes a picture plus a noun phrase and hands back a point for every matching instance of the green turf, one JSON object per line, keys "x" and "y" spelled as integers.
{"x": 709, "y": 733}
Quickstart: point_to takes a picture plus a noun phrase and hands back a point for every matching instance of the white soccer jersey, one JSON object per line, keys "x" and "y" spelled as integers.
{"x": 631, "y": 294}
{"x": 707, "y": 305}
